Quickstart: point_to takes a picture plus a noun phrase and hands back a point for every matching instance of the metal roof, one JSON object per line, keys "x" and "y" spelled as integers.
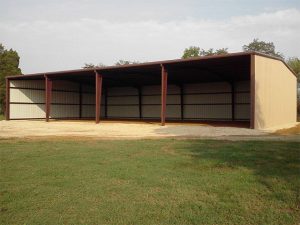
{"x": 146, "y": 66}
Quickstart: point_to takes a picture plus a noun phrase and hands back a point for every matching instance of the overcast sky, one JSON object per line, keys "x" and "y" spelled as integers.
{"x": 64, "y": 34}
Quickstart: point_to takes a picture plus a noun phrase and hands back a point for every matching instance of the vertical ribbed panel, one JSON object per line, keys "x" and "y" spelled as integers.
{"x": 65, "y": 97}
{"x": 207, "y": 101}
{"x": 36, "y": 84}
{"x": 27, "y": 96}
{"x": 201, "y": 101}
{"x": 65, "y": 85}
{"x": 64, "y": 111}
{"x": 27, "y": 111}
{"x": 242, "y": 100}
{"x": 207, "y": 87}
{"x": 122, "y": 102}
{"x": 65, "y": 100}
{"x": 24, "y": 101}
{"x": 207, "y": 112}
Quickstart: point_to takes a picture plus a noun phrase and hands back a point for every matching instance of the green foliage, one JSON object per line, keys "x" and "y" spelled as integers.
{"x": 263, "y": 47}
{"x": 149, "y": 182}
{"x": 122, "y": 62}
{"x": 294, "y": 63}
{"x": 9, "y": 65}
{"x": 194, "y": 51}
{"x": 91, "y": 65}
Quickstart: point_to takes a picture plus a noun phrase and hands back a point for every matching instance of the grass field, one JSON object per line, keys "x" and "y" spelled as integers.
{"x": 149, "y": 182}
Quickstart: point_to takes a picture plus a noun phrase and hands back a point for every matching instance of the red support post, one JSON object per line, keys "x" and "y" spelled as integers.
{"x": 164, "y": 83}
{"x": 48, "y": 97}
{"x": 98, "y": 95}
{"x": 7, "y": 99}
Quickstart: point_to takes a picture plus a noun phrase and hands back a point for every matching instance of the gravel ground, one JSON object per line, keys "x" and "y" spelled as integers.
{"x": 30, "y": 129}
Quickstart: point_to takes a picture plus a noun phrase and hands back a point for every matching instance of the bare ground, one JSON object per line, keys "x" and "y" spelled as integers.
{"x": 126, "y": 130}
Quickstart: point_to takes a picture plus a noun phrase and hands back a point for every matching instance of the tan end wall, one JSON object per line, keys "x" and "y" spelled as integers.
{"x": 275, "y": 94}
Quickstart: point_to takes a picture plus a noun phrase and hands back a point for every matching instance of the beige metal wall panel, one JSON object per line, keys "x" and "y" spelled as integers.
{"x": 123, "y": 100}
{"x": 275, "y": 94}
{"x": 207, "y": 87}
{"x": 65, "y": 85}
{"x": 88, "y": 88}
{"x": 27, "y": 111}
{"x": 173, "y": 99}
{"x": 151, "y": 90}
{"x": 242, "y": 86}
{"x": 173, "y": 89}
{"x": 242, "y": 98}
{"x": 173, "y": 111}
{"x": 88, "y": 98}
{"x": 207, "y": 99}
{"x": 27, "y": 96}
{"x": 64, "y": 111}
{"x": 151, "y": 99}
{"x": 88, "y": 111}
{"x": 207, "y": 112}
{"x": 242, "y": 112}
{"x": 37, "y": 84}
{"x": 123, "y": 111}
{"x": 122, "y": 91}
{"x": 65, "y": 97}
{"x": 151, "y": 111}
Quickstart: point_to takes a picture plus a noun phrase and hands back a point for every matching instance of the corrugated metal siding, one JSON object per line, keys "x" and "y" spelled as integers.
{"x": 88, "y": 111}
{"x": 201, "y": 101}
{"x": 37, "y": 84}
{"x": 24, "y": 96}
{"x": 65, "y": 97}
{"x": 27, "y": 96}
{"x": 207, "y": 87}
{"x": 151, "y": 100}
{"x": 207, "y": 101}
{"x": 122, "y": 102}
{"x": 64, "y": 111}
{"x": 27, "y": 111}
{"x": 65, "y": 100}
{"x": 65, "y": 85}
{"x": 242, "y": 100}
{"x": 195, "y": 112}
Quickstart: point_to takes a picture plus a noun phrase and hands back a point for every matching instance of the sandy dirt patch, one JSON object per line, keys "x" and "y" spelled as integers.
{"x": 108, "y": 129}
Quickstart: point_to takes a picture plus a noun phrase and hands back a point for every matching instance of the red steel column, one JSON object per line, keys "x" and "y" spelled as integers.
{"x": 7, "y": 99}
{"x": 164, "y": 81}
{"x": 48, "y": 97}
{"x": 252, "y": 91}
{"x": 98, "y": 95}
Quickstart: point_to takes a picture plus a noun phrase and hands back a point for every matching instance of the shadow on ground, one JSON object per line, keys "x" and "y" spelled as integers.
{"x": 274, "y": 164}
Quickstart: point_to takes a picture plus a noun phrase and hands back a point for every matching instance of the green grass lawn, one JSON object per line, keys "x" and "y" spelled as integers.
{"x": 149, "y": 182}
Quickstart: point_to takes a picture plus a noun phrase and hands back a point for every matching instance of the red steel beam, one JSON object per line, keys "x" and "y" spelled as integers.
{"x": 48, "y": 97}
{"x": 7, "y": 99}
{"x": 98, "y": 95}
{"x": 164, "y": 81}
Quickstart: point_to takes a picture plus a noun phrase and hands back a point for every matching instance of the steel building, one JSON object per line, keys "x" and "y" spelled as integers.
{"x": 250, "y": 87}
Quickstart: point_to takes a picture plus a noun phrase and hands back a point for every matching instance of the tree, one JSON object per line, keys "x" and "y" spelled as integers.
{"x": 263, "y": 47}
{"x": 91, "y": 65}
{"x": 122, "y": 62}
{"x": 294, "y": 63}
{"x": 9, "y": 65}
{"x": 194, "y": 51}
